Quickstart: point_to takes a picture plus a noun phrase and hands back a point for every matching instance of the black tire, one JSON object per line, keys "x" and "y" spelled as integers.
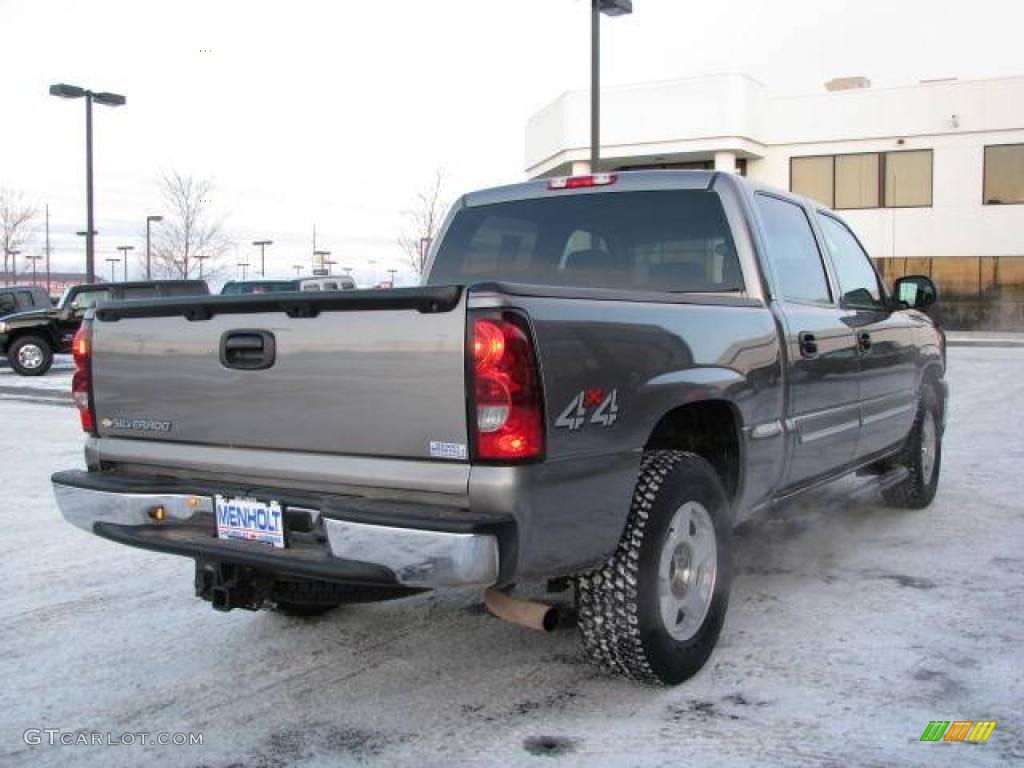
{"x": 30, "y": 355}
{"x": 918, "y": 489}
{"x": 619, "y": 615}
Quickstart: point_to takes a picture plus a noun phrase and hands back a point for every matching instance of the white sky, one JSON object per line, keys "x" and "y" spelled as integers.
{"x": 333, "y": 113}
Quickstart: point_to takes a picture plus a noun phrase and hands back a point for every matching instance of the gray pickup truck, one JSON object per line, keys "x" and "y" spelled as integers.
{"x": 599, "y": 378}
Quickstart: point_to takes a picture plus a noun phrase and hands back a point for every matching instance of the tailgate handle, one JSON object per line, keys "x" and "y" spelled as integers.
{"x": 247, "y": 350}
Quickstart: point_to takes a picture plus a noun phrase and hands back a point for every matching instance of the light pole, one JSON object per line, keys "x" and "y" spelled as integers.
{"x": 297, "y": 268}
{"x": 149, "y": 257}
{"x": 112, "y": 261}
{"x": 124, "y": 255}
{"x": 392, "y": 272}
{"x": 85, "y": 234}
{"x": 609, "y": 8}
{"x": 34, "y": 258}
{"x": 200, "y": 258}
{"x": 244, "y": 266}
{"x": 263, "y": 256}
{"x": 329, "y": 264}
{"x": 14, "y": 266}
{"x": 66, "y": 91}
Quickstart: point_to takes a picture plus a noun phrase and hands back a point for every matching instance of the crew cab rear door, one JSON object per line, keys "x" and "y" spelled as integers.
{"x": 822, "y": 414}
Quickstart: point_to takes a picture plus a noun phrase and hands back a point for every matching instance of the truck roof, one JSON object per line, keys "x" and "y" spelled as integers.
{"x": 629, "y": 181}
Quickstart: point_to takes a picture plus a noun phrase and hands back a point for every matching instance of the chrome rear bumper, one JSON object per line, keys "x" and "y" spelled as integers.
{"x": 415, "y": 557}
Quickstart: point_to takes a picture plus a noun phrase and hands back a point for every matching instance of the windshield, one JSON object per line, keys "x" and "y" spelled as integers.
{"x": 675, "y": 241}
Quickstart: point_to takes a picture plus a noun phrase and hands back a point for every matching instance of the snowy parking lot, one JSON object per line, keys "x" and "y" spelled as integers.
{"x": 851, "y": 626}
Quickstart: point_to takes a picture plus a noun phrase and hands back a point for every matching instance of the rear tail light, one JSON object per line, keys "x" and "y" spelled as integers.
{"x": 581, "y": 182}
{"x": 506, "y": 406}
{"x": 81, "y": 380}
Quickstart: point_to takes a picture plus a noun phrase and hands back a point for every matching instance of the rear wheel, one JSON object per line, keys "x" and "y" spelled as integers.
{"x": 653, "y": 613}
{"x": 30, "y": 355}
{"x": 922, "y": 457}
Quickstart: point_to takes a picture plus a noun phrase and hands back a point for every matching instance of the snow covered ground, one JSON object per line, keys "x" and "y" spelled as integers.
{"x": 851, "y": 627}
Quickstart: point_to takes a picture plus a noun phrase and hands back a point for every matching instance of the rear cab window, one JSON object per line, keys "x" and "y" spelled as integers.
{"x": 673, "y": 241}
{"x": 793, "y": 251}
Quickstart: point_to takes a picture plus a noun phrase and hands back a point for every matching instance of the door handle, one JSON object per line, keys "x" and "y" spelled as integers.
{"x": 808, "y": 344}
{"x": 864, "y": 341}
{"x": 247, "y": 350}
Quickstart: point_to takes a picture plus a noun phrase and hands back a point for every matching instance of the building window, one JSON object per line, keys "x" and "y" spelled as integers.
{"x": 814, "y": 177}
{"x": 908, "y": 179}
{"x": 867, "y": 180}
{"x": 1004, "y": 174}
{"x": 856, "y": 181}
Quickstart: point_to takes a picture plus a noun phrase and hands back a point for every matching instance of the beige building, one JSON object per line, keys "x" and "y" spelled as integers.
{"x": 931, "y": 175}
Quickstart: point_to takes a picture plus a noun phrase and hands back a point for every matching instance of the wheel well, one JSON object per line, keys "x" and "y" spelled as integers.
{"x": 709, "y": 429}
{"x": 931, "y": 378}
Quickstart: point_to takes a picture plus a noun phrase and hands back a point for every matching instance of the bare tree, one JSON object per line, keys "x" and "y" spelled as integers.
{"x": 422, "y": 220}
{"x": 191, "y": 240}
{"x": 16, "y": 217}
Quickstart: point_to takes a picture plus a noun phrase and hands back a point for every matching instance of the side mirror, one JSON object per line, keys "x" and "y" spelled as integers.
{"x": 916, "y": 291}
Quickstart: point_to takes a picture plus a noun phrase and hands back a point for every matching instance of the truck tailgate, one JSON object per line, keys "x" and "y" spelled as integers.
{"x": 378, "y": 373}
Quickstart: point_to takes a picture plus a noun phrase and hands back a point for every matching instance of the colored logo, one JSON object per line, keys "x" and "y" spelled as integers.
{"x": 958, "y": 730}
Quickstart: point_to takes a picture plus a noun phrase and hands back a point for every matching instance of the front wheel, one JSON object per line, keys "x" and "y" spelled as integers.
{"x": 30, "y": 355}
{"x": 653, "y": 613}
{"x": 922, "y": 457}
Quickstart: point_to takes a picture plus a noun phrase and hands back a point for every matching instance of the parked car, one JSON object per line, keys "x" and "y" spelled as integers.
{"x": 30, "y": 339}
{"x": 20, "y": 298}
{"x": 243, "y": 287}
{"x": 334, "y": 283}
{"x": 601, "y": 376}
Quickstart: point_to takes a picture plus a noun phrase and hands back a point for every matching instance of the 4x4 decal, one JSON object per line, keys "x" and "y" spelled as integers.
{"x": 604, "y": 404}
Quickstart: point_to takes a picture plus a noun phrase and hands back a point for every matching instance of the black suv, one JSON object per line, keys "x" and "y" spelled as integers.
{"x": 31, "y": 338}
{"x": 19, "y": 298}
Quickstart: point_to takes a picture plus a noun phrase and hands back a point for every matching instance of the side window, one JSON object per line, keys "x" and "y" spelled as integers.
{"x": 793, "y": 251}
{"x": 858, "y": 281}
{"x": 25, "y": 300}
{"x": 88, "y": 299}
{"x": 7, "y": 304}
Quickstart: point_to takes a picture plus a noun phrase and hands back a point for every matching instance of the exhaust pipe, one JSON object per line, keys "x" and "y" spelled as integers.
{"x": 527, "y": 613}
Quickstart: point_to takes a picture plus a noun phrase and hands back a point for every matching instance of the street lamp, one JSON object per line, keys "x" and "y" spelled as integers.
{"x": 609, "y": 8}
{"x": 124, "y": 254}
{"x": 112, "y": 261}
{"x": 297, "y": 268}
{"x": 65, "y": 91}
{"x": 200, "y": 258}
{"x": 14, "y": 265}
{"x": 244, "y": 266}
{"x": 263, "y": 256}
{"x": 392, "y": 272}
{"x": 150, "y": 220}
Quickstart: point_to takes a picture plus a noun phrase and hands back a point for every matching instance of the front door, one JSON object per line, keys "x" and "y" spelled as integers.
{"x": 885, "y": 343}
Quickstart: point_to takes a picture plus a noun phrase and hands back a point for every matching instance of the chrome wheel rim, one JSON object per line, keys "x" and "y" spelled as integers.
{"x": 687, "y": 571}
{"x": 929, "y": 446}
{"x": 30, "y": 356}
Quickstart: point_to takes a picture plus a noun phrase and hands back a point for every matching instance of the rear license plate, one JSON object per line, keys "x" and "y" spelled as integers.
{"x": 250, "y": 520}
